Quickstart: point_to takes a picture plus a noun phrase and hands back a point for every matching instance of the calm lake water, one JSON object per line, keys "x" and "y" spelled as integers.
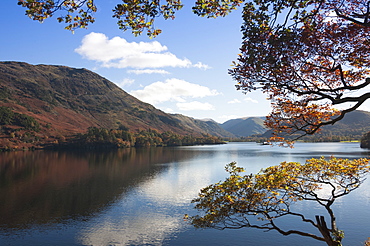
{"x": 139, "y": 196}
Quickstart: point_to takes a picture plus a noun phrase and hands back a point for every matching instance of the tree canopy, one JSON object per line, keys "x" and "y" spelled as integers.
{"x": 135, "y": 15}
{"x": 260, "y": 200}
{"x": 311, "y": 57}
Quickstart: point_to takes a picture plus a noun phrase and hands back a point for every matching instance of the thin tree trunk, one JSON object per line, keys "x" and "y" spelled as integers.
{"x": 325, "y": 232}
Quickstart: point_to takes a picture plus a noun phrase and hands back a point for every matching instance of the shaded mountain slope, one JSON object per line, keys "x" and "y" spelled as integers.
{"x": 243, "y": 127}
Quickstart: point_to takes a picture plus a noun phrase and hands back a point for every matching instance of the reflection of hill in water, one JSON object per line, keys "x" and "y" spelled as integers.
{"x": 46, "y": 187}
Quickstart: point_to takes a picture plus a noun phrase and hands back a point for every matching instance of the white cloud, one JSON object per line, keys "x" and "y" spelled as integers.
{"x": 148, "y": 71}
{"x": 172, "y": 90}
{"x": 125, "y": 82}
{"x": 229, "y": 117}
{"x": 195, "y": 105}
{"x": 153, "y": 226}
{"x": 169, "y": 110}
{"x": 119, "y": 53}
{"x": 365, "y": 107}
{"x": 234, "y": 101}
{"x": 248, "y": 99}
{"x": 201, "y": 66}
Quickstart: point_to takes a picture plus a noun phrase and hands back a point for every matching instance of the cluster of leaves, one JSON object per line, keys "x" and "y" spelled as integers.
{"x": 100, "y": 137}
{"x": 271, "y": 194}
{"x": 8, "y": 117}
{"x": 135, "y": 15}
{"x": 305, "y": 55}
{"x": 139, "y": 15}
{"x": 79, "y": 12}
{"x": 215, "y": 8}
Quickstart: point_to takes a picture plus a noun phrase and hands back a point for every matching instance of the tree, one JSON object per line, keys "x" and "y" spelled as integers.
{"x": 260, "y": 200}
{"x": 78, "y": 13}
{"x": 308, "y": 56}
{"x": 134, "y": 15}
{"x": 365, "y": 141}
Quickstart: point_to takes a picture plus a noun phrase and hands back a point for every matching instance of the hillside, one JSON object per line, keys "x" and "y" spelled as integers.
{"x": 352, "y": 127}
{"x": 45, "y": 104}
{"x": 64, "y": 101}
{"x": 208, "y": 126}
{"x": 244, "y": 127}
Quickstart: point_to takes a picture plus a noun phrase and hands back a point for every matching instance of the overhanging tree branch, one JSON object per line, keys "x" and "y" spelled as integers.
{"x": 272, "y": 193}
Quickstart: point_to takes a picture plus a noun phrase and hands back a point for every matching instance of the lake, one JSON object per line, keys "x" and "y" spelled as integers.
{"x": 139, "y": 196}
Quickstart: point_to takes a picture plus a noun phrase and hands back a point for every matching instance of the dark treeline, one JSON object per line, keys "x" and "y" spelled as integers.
{"x": 109, "y": 138}
{"x": 365, "y": 141}
{"x": 312, "y": 139}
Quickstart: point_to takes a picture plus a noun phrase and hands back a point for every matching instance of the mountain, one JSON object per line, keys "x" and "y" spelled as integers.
{"x": 64, "y": 101}
{"x": 352, "y": 127}
{"x": 244, "y": 127}
{"x": 209, "y": 126}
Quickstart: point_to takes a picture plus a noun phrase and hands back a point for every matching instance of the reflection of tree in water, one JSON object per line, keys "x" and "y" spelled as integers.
{"x": 43, "y": 187}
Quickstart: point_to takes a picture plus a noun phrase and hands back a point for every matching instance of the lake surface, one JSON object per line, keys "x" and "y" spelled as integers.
{"x": 139, "y": 196}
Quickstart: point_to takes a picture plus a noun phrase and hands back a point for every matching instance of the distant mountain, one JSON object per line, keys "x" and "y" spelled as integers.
{"x": 63, "y": 101}
{"x": 206, "y": 125}
{"x": 352, "y": 127}
{"x": 244, "y": 127}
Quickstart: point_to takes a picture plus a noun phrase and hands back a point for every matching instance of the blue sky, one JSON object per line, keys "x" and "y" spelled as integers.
{"x": 183, "y": 70}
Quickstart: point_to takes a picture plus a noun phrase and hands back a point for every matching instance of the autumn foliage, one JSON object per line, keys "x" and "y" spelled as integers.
{"x": 309, "y": 57}
{"x": 260, "y": 200}
{"x": 135, "y": 15}
{"x": 78, "y": 14}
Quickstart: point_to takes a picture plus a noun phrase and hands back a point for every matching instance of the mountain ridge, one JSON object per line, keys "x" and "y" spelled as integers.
{"x": 66, "y": 101}
{"x": 246, "y": 126}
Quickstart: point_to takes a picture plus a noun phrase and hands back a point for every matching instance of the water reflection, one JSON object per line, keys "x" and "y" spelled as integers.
{"x": 139, "y": 196}
{"x": 153, "y": 212}
{"x": 43, "y": 187}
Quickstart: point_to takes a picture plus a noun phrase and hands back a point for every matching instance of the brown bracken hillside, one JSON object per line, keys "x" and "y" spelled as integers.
{"x": 65, "y": 101}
